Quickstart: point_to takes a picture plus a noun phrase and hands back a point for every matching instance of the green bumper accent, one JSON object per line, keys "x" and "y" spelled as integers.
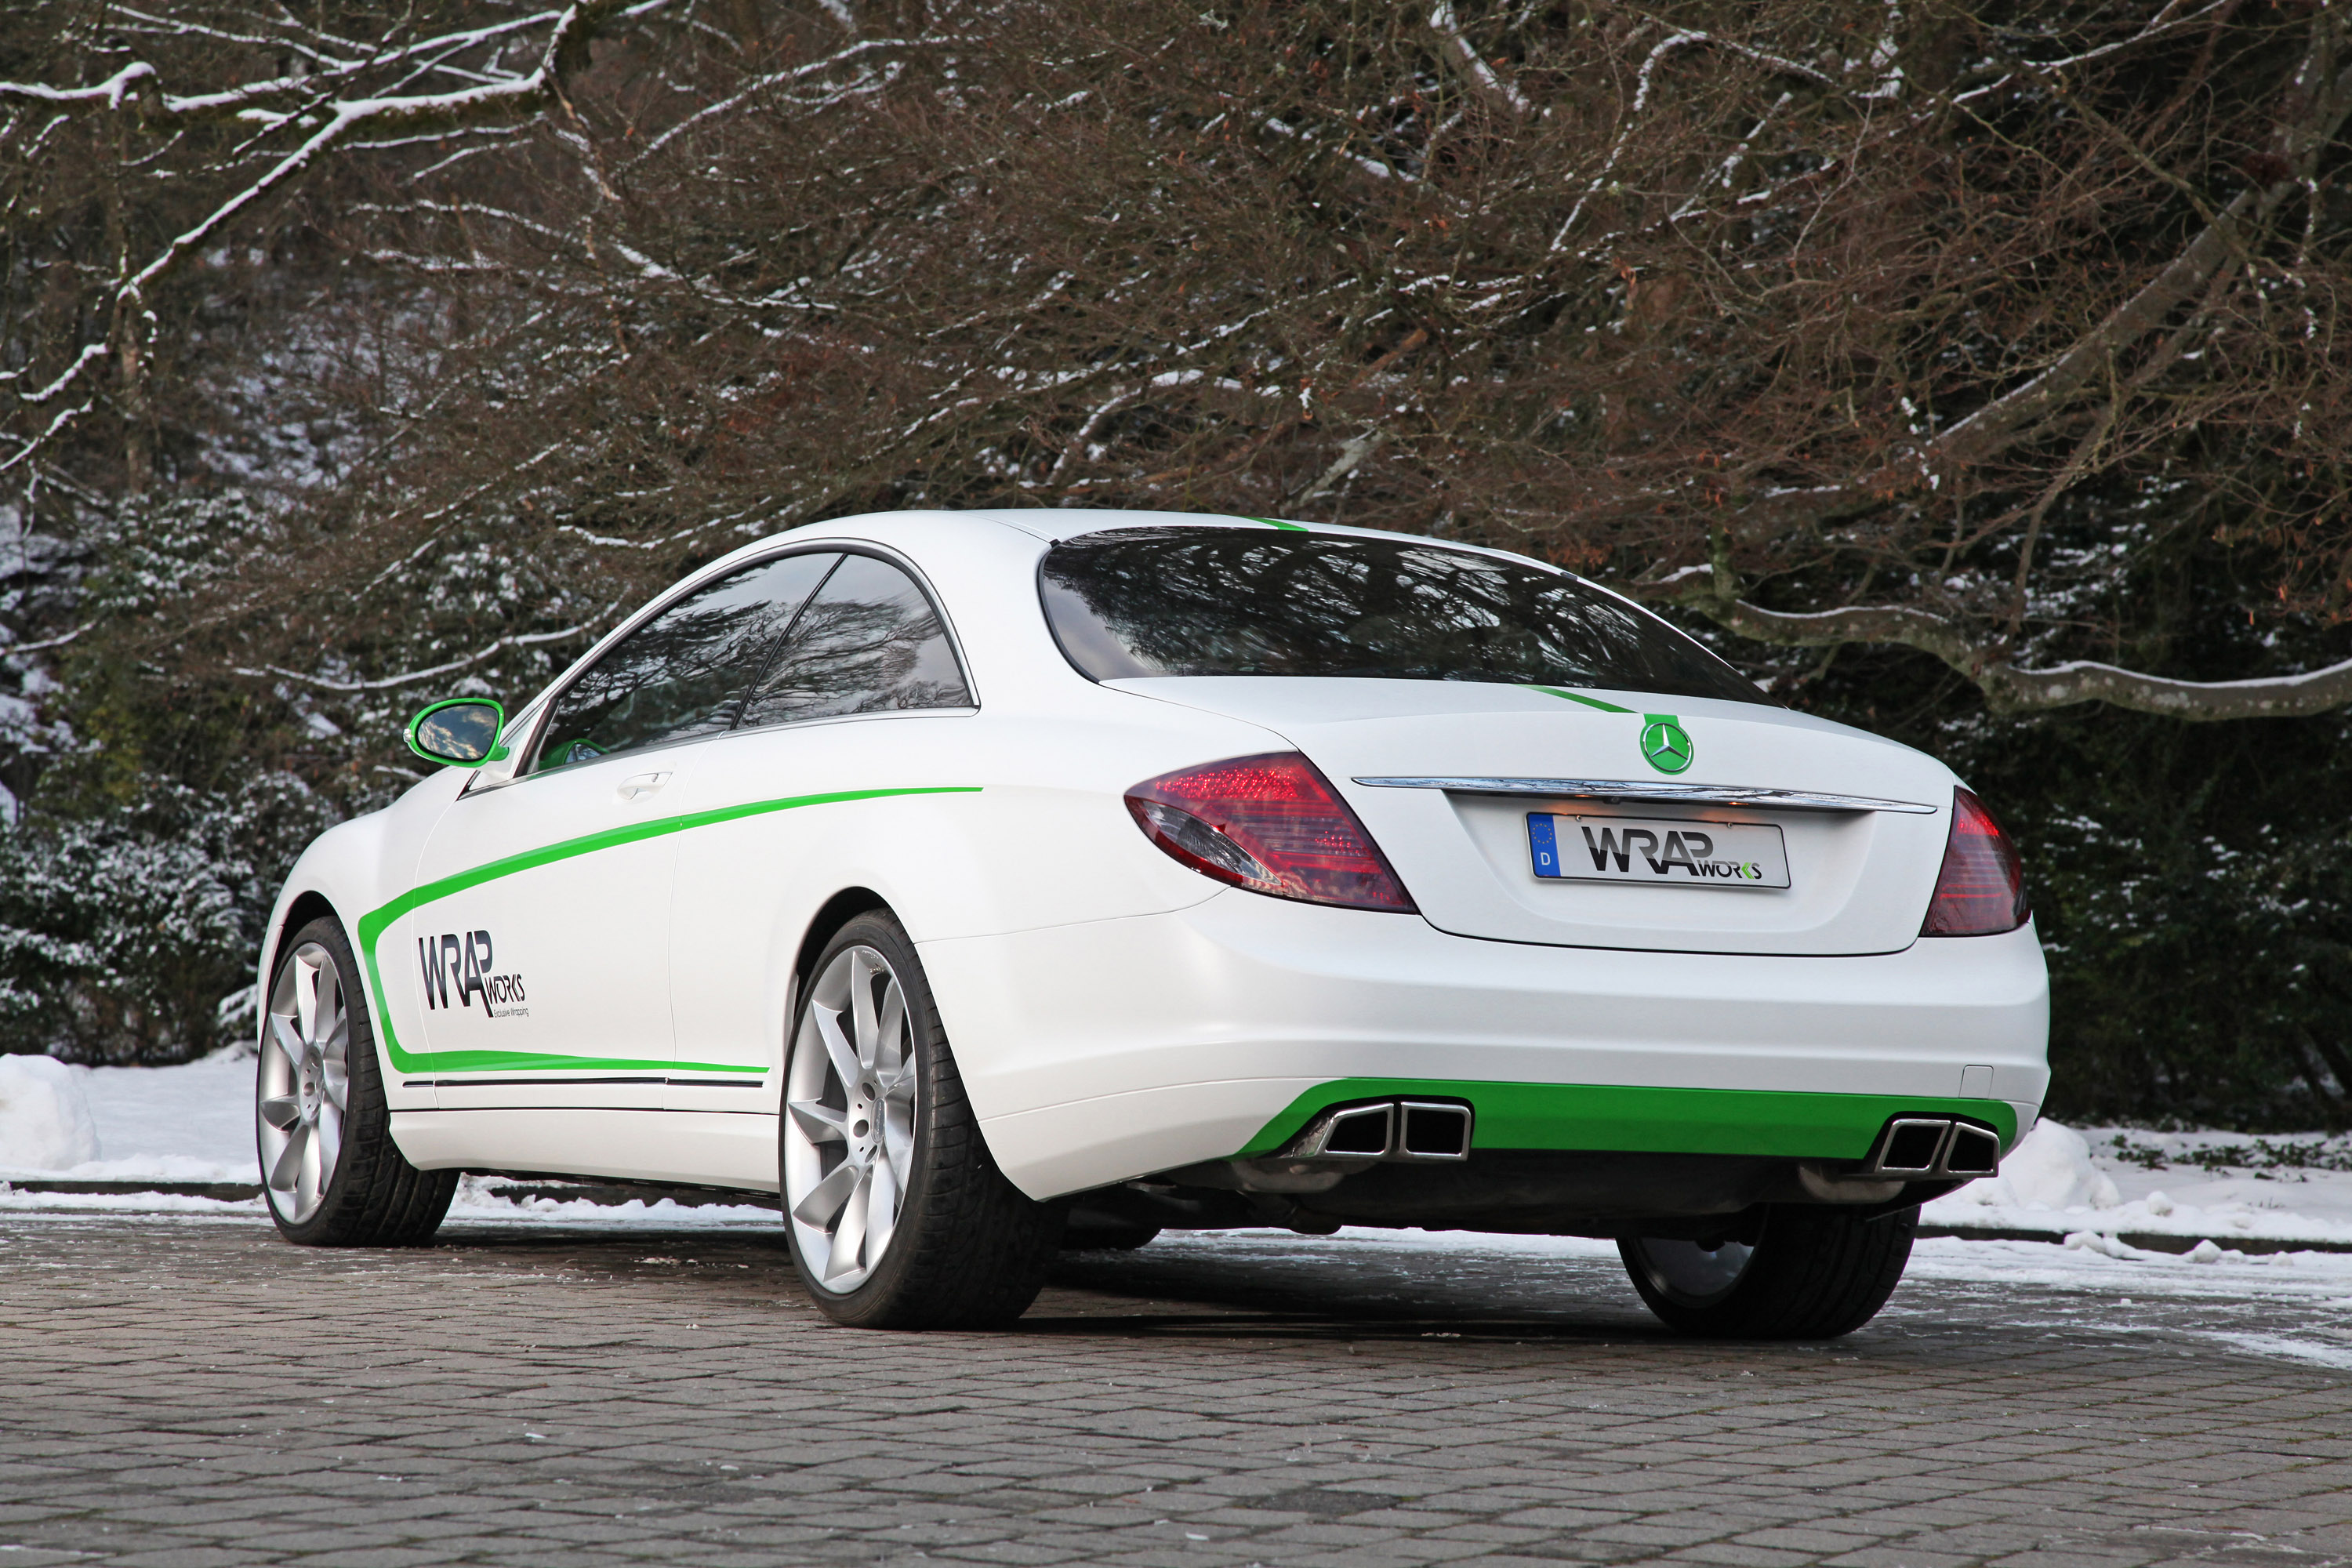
{"x": 1618, "y": 1118}
{"x": 373, "y": 924}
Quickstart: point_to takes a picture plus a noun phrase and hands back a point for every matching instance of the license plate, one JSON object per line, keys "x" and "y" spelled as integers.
{"x": 1674, "y": 851}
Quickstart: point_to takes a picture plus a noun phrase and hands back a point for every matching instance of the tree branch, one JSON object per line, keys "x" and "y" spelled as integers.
{"x": 2017, "y": 412}
{"x": 2007, "y": 688}
{"x": 517, "y": 97}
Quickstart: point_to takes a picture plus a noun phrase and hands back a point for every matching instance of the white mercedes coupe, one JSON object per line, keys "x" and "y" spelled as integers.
{"x": 993, "y": 882}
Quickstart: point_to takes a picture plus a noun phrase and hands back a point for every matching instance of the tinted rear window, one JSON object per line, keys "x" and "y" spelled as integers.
{"x": 1228, "y": 601}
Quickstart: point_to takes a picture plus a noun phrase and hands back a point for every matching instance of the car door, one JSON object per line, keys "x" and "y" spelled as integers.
{"x": 542, "y": 955}
{"x": 841, "y": 738}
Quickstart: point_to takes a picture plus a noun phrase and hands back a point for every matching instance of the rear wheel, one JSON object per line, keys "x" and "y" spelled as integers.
{"x": 1809, "y": 1273}
{"x": 898, "y": 1217}
{"x": 330, "y": 1170}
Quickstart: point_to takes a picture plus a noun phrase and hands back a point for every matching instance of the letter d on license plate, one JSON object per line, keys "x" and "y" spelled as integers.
{"x": 1675, "y": 851}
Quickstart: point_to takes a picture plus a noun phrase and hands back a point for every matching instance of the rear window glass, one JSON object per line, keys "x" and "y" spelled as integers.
{"x": 1182, "y": 601}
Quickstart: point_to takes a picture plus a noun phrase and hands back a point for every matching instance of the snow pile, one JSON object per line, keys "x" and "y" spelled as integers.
{"x": 187, "y": 1123}
{"x": 2050, "y": 1168}
{"x": 2059, "y": 1180}
{"x": 44, "y": 1119}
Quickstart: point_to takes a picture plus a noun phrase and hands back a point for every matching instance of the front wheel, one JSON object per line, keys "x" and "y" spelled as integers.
{"x": 330, "y": 1170}
{"x": 897, "y": 1215}
{"x": 1809, "y": 1273}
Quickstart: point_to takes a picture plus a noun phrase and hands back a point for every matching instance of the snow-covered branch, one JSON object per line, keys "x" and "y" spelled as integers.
{"x": 1482, "y": 78}
{"x": 1984, "y": 660}
{"x": 410, "y": 678}
{"x": 752, "y": 91}
{"x": 331, "y": 124}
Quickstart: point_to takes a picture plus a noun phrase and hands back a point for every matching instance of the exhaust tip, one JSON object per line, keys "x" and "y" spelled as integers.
{"x": 1974, "y": 1152}
{"x": 1911, "y": 1144}
{"x": 1365, "y": 1131}
{"x": 1389, "y": 1130}
{"x": 1434, "y": 1131}
{"x": 1935, "y": 1146}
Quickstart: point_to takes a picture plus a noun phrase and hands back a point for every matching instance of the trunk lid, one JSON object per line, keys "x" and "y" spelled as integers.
{"x": 1484, "y": 757}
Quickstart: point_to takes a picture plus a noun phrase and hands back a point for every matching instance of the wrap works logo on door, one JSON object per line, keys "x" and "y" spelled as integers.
{"x": 456, "y": 969}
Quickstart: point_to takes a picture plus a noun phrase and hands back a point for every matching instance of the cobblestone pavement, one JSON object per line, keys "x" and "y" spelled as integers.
{"x": 191, "y": 1391}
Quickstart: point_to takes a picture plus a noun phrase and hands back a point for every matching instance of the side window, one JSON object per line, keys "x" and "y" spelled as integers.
{"x": 868, "y": 643}
{"x": 685, "y": 672}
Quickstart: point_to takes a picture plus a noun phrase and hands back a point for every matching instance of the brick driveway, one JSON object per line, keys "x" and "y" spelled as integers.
{"x": 193, "y": 1392}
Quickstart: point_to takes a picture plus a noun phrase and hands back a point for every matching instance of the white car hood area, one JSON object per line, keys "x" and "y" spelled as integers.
{"x": 1859, "y": 880}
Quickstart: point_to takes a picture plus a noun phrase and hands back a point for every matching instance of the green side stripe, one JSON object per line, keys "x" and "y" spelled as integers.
{"x": 1617, "y": 1118}
{"x": 1575, "y": 696}
{"x": 1274, "y": 522}
{"x": 373, "y": 924}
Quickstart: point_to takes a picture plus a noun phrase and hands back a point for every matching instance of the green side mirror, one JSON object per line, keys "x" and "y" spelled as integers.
{"x": 462, "y": 731}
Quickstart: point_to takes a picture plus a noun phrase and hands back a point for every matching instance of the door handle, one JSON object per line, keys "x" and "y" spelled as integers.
{"x": 637, "y": 786}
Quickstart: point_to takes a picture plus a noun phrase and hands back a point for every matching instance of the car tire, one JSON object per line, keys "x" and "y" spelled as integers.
{"x": 877, "y": 1137}
{"x": 1810, "y": 1273}
{"x": 330, "y": 1174}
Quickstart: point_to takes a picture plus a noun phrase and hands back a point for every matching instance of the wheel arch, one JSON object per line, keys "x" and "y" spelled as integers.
{"x": 831, "y": 916}
{"x": 307, "y": 907}
{"x": 299, "y": 911}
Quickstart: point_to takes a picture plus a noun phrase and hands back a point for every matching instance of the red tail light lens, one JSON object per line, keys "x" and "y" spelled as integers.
{"x": 1981, "y": 891}
{"x": 1271, "y": 823}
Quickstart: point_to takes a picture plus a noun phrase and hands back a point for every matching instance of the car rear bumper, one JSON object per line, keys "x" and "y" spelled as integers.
{"x": 1099, "y": 1052}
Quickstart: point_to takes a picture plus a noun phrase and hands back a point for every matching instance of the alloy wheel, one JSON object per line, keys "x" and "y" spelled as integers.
{"x": 1690, "y": 1275}
{"x": 849, "y": 1127}
{"x": 304, "y": 1088}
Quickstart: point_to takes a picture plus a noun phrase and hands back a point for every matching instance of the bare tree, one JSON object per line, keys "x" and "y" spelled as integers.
{"x": 140, "y": 145}
{"x": 1833, "y": 325}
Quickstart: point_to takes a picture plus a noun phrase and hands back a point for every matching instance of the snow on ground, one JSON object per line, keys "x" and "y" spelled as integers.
{"x": 193, "y": 1123}
{"x": 478, "y": 1199}
{"x": 45, "y": 1122}
{"x": 2224, "y": 1185}
{"x": 187, "y": 1123}
{"x": 2285, "y": 1305}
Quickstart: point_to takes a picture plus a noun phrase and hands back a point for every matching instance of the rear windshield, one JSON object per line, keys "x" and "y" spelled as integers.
{"x": 1225, "y": 601}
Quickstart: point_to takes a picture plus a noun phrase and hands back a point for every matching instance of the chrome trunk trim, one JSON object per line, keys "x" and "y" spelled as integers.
{"x": 1643, "y": 789}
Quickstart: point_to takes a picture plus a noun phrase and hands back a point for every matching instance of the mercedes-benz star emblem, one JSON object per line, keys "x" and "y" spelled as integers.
{"x": 1664, "y": 743}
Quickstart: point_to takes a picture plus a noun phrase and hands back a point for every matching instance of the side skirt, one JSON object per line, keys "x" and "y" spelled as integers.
{"x": 698, "y": 1148}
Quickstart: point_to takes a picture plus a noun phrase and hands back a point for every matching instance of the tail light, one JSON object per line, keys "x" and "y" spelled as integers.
{"x": 1271, "y": 823}
{"x": 1981, "y": 889}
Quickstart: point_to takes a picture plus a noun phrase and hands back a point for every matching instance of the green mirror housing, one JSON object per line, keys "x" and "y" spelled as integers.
{"x": 462, "y": 731}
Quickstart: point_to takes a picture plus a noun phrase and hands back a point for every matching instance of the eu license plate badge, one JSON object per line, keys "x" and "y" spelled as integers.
{"x": 1660, "y": 851}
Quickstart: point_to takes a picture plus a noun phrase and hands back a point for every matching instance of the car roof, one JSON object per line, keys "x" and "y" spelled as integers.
{"x": 1053, "y": 525}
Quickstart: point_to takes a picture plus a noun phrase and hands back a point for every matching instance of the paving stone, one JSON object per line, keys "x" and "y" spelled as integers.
{"x": 516, "y": 1395}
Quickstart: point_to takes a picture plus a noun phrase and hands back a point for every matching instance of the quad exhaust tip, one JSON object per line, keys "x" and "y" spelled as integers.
{"x": 1391, "y": 1130}
{"x": 1932, "y": 1147}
